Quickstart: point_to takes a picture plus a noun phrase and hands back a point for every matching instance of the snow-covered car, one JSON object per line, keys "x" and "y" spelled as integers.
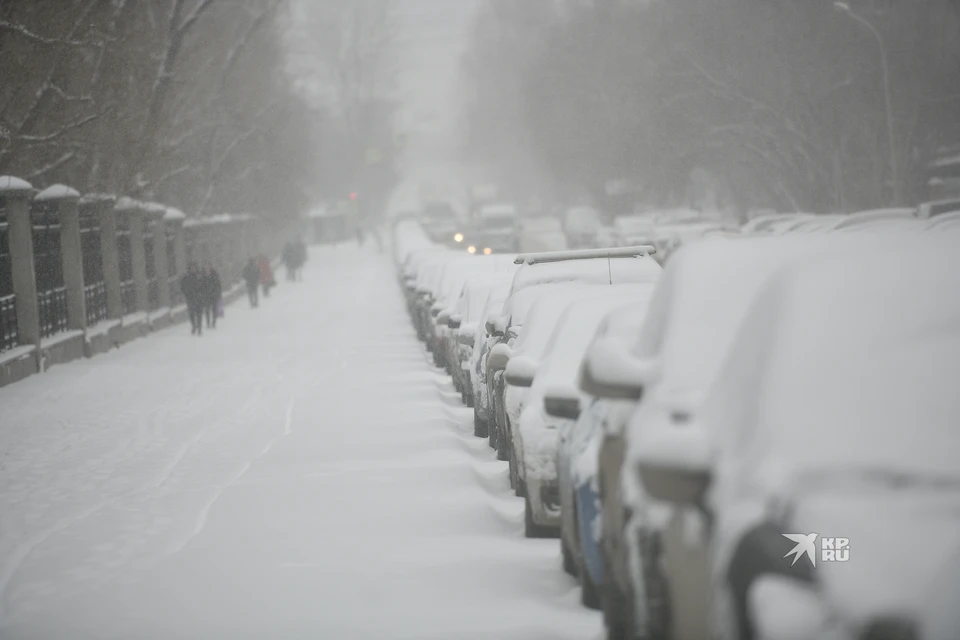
{"x": 441, "y": 222}
{"x": 483, "y": 339}
{"x": 540, "y": 305}
{"x": 433, "y": 286}
{"x": 554, "y": 399}
{"x": 598, "y": 266}
{"x": 674, "y": 359}
{"x": 938, "y": 208}
{"x": 494, "y": 230}
{"x": 577, "y": 458}
{"x": 835, "y": 413}
{"x": 676, "y": 354}
{"x": 527, "y": 337}
{"x": 428, "y": 277}
{"x": 463, "y": 323}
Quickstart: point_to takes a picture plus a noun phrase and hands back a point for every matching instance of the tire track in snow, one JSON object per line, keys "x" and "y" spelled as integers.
{"x": 219, "y": 490}
{"x": 167, "y": 472}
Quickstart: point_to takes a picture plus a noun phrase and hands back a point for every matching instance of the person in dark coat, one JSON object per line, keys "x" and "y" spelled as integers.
{"x": 300, "y": 253}
{"x": 290, "y": 261}
{"x": 191, "y": 286}
{"x": 251, "y": 276}
{"x": 212, "y": 291}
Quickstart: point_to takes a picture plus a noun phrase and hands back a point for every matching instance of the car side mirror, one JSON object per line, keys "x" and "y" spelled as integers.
{"x": 609, "y": 371}
{"x": 520, "y": 372}
{"x": 499, "y": 357}
{"x": 674, "y": 462}
{"x": 562, "y": 403}
{"x": 454, "y": 321}
{"x": 491, "y": 324}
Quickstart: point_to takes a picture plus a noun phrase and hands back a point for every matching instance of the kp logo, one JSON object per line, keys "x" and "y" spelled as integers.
{"x": 831, "y": 549}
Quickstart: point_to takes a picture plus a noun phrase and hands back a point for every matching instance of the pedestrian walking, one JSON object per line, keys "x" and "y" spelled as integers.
{"x": 212, "y": 292}
{"x": 267, "y": 281}
{"x": 192, "y": 288}
{"x": 251, "y": 276}
{"x": 360, "y": 236}
{"x": 290, "y": 261}
{"x": 300, "y": 253}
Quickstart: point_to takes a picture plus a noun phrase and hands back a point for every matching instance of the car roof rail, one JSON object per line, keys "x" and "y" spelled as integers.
{"x": 585, "y": 254}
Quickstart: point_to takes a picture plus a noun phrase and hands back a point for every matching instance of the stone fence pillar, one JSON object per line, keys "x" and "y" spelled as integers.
{"x": 157, "y": 213}
{"x": 71, "y": 251}
{"x": 102, "y": 206}
{"x": 135, "y": 215}
{"x": 18, "y": 193}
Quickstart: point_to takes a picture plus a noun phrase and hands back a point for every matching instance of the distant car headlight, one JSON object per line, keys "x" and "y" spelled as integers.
{"x": 458, "y": 237}
{"x": 487, "y": 251}
{"x": 472, "y": 249}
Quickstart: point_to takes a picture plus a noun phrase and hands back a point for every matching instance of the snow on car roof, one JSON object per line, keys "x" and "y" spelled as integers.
{"x": 850, "y": 362}
{"x": 704, "y": 295}
{"x": 591, "y": 270}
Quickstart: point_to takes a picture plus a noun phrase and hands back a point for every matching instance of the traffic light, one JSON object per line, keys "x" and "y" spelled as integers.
{"x": 353, "y": 195}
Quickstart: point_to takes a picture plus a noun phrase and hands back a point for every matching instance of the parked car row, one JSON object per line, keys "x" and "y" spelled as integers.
{"x": 759, "y": 438}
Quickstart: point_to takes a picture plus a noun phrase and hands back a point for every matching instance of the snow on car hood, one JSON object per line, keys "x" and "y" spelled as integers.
{"x": 898, "y": 542}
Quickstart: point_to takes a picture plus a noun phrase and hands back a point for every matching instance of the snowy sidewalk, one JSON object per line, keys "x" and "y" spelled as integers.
{"x": 300, "y": 472}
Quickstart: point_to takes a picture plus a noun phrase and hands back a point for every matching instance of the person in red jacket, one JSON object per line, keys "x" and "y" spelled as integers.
{"x": 266, "y": 275}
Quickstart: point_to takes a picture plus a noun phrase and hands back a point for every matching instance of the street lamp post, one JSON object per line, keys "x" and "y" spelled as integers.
{"x": 843, "y": 7}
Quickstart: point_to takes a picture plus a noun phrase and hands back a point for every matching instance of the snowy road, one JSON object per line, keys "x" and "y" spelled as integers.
{"x": 301, "y": 472}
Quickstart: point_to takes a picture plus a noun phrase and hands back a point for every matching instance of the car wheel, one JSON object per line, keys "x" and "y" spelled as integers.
{"x": 569, "y": 564}
{"x": 530, "y": 528}
{"x": 479, "y": 426}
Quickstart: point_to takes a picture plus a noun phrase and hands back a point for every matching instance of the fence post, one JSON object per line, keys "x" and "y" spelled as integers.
{"x": 158, "y": 214}
{"x": 103, "y": 206}
{"x": 20, "y": 235}
{"x": 138, "y": 256}
{"x": 71, "y": 251}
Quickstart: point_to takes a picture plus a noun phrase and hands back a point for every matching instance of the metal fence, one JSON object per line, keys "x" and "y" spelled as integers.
{"x": 128, "y": 290}
{"x": 48, "y": 269}
{"x": 128, "y": 296}
{"x": 52, "y": 307}
{"x": 95, "y": 290}
{"x": 8, "y": 306}
{"x": 95, "y": 300}
{"x": 8, "y": 322}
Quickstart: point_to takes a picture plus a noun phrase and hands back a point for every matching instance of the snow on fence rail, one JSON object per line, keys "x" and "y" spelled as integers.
{"x": 80, "y": 274}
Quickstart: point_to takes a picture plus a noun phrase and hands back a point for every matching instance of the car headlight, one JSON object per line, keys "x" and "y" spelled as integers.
{"x": 458, "y": 237}
{"x": 487, "y": 251}
{"x": 783, "y": 608}
{"x": 471, "y": 249}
